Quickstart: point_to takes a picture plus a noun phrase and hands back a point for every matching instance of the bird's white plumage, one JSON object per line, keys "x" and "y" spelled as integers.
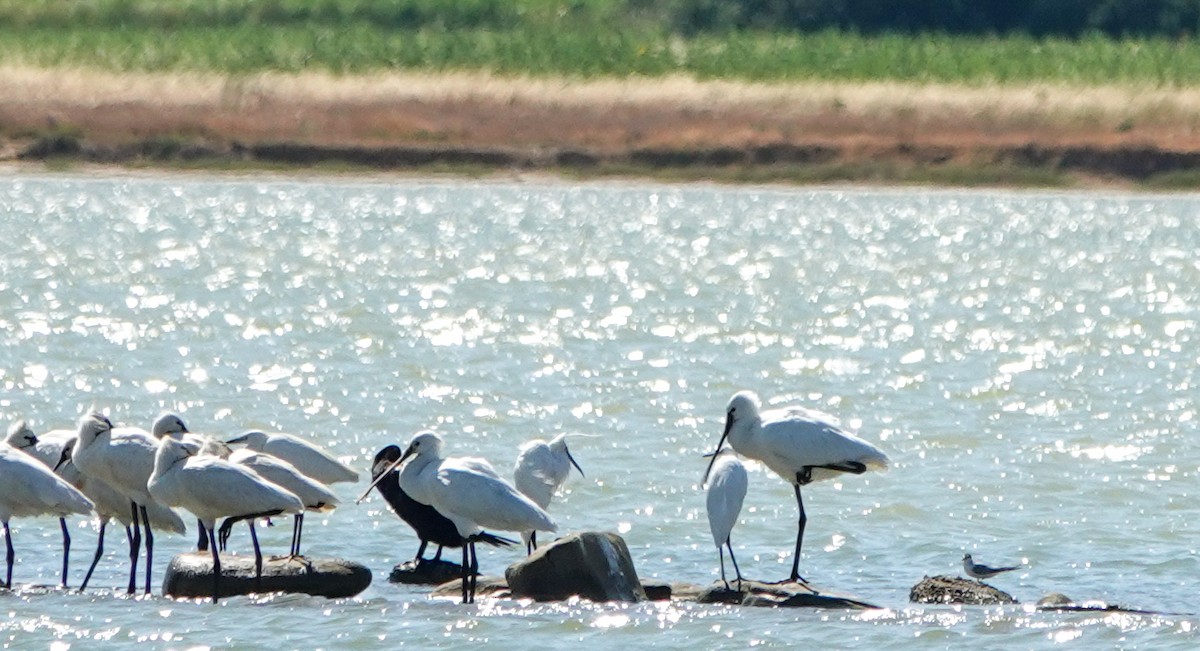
{"x": 468, "y": 491}
{"x": 542, "y": 468}
{"x": 309, "y": 459}
{"x": 315, "y": 495}
{"x": 28, "y": 488}
{"x": 46, "y": 448}
{"x": 122, "y": 457}
{"x": 111, "y": 504}
{"x": 211, "y": 488}
{"x": 790, "y": 439}
{"x": 171, "y": 425}
{"x": 727, "y": 484}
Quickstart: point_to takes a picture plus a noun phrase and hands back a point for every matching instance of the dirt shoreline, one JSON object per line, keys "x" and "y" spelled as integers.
{"x": 674, "y": 128}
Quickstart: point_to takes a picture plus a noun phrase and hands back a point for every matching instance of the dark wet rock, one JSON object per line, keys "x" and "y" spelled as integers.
{"x": 190, "y": 575}
{"x": 592, "y": 565}
{"x": 485, "y": 586}
{"x": 1061, "y": 603}
{"x": 658, "y": 591}
{"x": 957, "y": 590}
{"x": 777, "y": 595}
{"x": 426, "y": 572}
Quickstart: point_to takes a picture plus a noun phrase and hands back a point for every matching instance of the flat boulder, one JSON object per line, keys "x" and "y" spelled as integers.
{"x": 425, "y": 572}
{"x": 957, "y": 590}
{"x": 592, "y": 565}
{"x": 787, "y": 594}
{"x": 191, "y": 576}
{"x": 485, "y": 586}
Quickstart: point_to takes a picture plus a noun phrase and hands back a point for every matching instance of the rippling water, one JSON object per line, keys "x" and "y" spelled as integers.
{"x": 1028, "y": 361}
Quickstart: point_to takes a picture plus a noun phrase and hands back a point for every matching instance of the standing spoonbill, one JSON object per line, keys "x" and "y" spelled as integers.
{"x": 211, "y": 488}
{"x": 542, "y": 468}
{"x": 111, "y": 504}
{"x": 470, "y": 494}
{"x": 46, "y": 449}
{"x": 800, "y": 445}
{"x": 123, "y": 458}
{"x": 315, "y": 495}
{"x": 308, "y": 458}
{"x": 429, "y": 525}
{"x": 28, "y": 488}
{"x": 171, "y": 425}
{"x": 727, "y": 482}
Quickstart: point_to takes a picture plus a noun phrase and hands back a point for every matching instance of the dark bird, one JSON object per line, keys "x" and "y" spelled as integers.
{"x": 429, "y": 525}
{"x": 978, "y": 571}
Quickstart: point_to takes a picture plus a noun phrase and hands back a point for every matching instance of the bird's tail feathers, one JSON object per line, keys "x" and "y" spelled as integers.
{"x": 493, "y": 540}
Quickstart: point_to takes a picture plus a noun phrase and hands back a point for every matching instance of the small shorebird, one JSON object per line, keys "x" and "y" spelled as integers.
{"x": 978, "y": 571}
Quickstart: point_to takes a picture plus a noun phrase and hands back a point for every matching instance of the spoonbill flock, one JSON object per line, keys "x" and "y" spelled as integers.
{"x": 137, "y": 477}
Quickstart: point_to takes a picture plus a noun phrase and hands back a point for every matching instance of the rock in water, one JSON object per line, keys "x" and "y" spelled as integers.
{"x": 956, "y": 590}
{"x": 190, "y": 575}
{"x": 485, "y": 586}
{"x": 593, "y": 565}
{"x": 425, "y": 572}
{"x": 779, "y": 595}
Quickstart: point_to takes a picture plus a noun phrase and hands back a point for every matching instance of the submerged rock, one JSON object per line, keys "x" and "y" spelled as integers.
{"x": 592, "y": 565}
{"x": 777, "y": 595}
{"x": 485, "y": 586}
{"x": 425, "y": 572}
{"x": 957, "y": 590}
{"x": 191, "y": 575}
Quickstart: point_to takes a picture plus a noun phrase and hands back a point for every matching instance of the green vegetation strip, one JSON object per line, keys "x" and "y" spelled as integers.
{"x": 580, "y": 38}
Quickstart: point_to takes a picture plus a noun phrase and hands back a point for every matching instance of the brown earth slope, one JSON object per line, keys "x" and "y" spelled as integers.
{"x": 674, "y": 127}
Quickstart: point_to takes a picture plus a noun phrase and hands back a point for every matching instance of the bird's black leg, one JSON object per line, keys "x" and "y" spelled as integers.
{"x": 225, "y": 530}
{"x": 96, "y": 558}
{"x": 474, "y": 571}
{"x": 149, "y": 546}
{"x": 66, "y": 548}
{"x": 532, "y": 542}
{"x": 299, "y": 531}
{"x": 421, "y": 551}
{"x": 799, "y": 532}
{"x": 202, "y": 540}
{"x": 437, "y": 556}
{"x": 135, "y": 546}
{"x": 735, "y": 566}
{"x": 257, "y": 557}
{"x": 466, "y": 565}
{"x": 212, "y": 542}
{"x": 11, "y": 555}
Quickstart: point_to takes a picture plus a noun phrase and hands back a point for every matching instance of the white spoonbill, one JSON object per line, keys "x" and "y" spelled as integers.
{"x": 211, "y": 488}
{"x": 46, "y": 449}
{"x": 171, "y": 425}
{"x": 470, "y": 494}
{"x": 123, "y": 458}
{"x": 727, "y": 482}
{"x": 315, "y": 495}
{"x": 800, "y": 445}
{"x": 308, "y": 458}
{"x": 111, "y": 504}
{"x": 980, "y": 571}
{"x": 542, "y": 468}
{"x": 28, "y": 488}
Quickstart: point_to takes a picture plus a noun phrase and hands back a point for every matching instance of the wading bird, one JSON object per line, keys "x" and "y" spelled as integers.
{"x": 171, "y": 425}
{"x": 799, "y": 445}
{"x": 727, "y": 482}
{"x": 112, "y": 505}
{"x": 28, "y": 488}
{"x": 123, "y": 458}
{"x": 429, "y": 525}
{"x": 211, "y": 488}
{"x": 470, "y": 494}
{"x": 315, "y": 495}
{"x": 308, "y": 458}
{"x": 542, "y": 468}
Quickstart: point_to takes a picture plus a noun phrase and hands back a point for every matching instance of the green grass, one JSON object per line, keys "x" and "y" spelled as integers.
{"x": 573, "y": 38}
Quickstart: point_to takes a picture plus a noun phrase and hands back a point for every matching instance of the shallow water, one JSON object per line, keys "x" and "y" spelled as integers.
{"x": 1027, "y": 359}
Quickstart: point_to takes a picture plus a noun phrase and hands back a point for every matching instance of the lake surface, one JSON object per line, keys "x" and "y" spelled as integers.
{"x": 1028, "y": 360}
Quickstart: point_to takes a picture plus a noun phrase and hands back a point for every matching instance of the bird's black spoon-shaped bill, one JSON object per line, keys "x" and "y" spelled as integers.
{"x": 396, "y": 464}
{"x": 728, "y": 424}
